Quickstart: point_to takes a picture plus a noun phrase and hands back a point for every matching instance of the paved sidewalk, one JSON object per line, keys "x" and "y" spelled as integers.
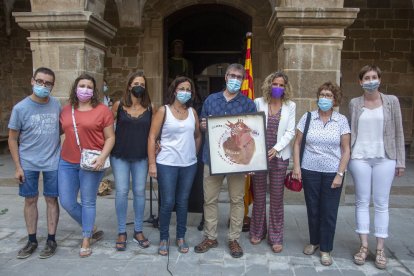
{"x": 257, "y": 260}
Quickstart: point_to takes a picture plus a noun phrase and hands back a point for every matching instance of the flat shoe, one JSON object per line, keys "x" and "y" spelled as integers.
{"x": 163, "y": 249}
{"x": 85, "y": 252}
{"x": 182, "y": 246}
{"x": 361, "y": 255}
{"x": 277, "y": 248}
{"x": 310, "y": 249}
{"x": 380, "y": 259}
{"x": 255, "y": 241}
{"x": 326, "y": 258}
{"x": 96, "y": 236}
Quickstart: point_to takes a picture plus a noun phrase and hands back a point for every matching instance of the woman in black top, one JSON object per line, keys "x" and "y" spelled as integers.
{"x": 129, "y": 155}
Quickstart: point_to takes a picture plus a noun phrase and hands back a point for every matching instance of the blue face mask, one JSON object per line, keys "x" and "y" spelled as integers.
{"x": 183, "y": 96}
{"x": 233, "y": 85}
{"x": 325, "y": 104}
{"x": 41, "y": 91}
{"x": 371, "y": 86}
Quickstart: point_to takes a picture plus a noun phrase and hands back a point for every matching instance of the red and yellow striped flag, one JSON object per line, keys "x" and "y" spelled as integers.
{"x": 248, "y": 90}
{"x": 247, "y": 86}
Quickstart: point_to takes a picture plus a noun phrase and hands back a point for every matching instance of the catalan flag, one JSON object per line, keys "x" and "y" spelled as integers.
{"x": 247, "y": 86}
{"x": 248, "y": 90}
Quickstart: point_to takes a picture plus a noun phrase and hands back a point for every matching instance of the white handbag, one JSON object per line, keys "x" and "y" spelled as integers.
{"x": 88, "y": 156}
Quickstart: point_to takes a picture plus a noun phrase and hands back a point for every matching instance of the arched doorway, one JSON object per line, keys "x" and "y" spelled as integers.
{"x": 213, "y": 36}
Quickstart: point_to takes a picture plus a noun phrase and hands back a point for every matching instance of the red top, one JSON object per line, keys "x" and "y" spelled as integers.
{"x": 90, "y": 125}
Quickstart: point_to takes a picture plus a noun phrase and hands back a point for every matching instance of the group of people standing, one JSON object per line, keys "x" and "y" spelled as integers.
{"x": 164, "y": 144}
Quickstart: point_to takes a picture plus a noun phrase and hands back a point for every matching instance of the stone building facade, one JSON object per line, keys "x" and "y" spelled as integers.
{"x": 311, "y": 40}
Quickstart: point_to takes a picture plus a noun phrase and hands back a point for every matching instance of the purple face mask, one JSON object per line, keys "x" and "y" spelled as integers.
{"x": 278, "y": 92}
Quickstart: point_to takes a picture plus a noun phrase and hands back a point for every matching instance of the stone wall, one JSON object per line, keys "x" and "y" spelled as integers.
{"x": 383, "y": 34}
{"x": 123, "y": 54}
{"x": 15, "y": 65}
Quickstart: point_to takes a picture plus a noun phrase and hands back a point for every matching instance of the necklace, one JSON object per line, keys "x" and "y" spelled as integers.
{"x": 178, "y": 111}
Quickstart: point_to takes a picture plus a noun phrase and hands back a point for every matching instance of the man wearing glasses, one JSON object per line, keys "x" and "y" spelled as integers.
{"x": 228, "y": 102}
{"x": 34, "y": 144}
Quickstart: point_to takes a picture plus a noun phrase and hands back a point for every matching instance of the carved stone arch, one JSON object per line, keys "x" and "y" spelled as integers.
{"x": 154, "y": 48}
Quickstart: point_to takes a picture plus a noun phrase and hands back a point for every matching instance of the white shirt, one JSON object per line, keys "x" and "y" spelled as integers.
{"x": 323, "y": 142}
{"x": 370, "y": 140}
{"x": 177, "y": 140}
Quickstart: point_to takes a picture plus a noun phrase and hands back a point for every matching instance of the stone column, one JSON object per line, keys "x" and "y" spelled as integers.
{"x": 308, "y": 42}
{"x": 70, "y": 43}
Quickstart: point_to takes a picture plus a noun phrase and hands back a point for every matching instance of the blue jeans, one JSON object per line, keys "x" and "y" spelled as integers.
{"x": 322, "y": 204}
{"x": 175, "y": 186}
{"x": 71, "y": 179}
{"x": 30, "y": 186}
{"x": 122, "y": 170}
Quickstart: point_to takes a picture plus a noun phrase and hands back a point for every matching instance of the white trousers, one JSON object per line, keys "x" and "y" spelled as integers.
{"x": 376, "y": 174}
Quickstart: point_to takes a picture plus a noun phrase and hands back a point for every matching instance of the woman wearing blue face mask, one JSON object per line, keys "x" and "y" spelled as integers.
{"x": 322, "y": 168}
{"x": 280, "y": 130}
{"x": 175, "y": 165}
{"x": 377, "y": 142}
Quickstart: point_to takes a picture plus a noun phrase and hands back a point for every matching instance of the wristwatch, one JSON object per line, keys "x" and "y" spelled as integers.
{"x": 341, "y": 174}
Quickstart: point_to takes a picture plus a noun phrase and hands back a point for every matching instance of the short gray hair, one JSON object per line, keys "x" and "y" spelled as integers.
{"x": 236, "y": 66}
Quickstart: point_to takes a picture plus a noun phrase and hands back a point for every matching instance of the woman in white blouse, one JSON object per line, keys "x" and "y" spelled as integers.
{"x": 280, "y": 130}
{"x": 321, "y": 170}
{"x": 377, "y": 142}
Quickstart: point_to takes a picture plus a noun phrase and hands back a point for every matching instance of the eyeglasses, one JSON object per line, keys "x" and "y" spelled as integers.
{"x": 234, "y": 76}
{"x": 328, "y": 96}
{"x": 47, "y": 84}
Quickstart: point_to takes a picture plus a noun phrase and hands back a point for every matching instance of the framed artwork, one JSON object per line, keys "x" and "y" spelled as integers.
{"x": 237, "y": 143}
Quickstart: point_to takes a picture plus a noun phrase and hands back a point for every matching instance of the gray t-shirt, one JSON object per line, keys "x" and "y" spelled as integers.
{"x": 39, "y": 140}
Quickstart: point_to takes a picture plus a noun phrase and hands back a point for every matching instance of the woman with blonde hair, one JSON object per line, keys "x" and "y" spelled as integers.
{"x": 280, "y": 130}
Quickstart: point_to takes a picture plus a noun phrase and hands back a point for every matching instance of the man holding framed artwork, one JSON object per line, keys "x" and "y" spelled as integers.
{"x": 227, "y": 102}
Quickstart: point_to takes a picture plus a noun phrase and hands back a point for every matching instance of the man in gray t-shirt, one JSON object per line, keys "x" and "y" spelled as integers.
{"x": 34, "y": 143}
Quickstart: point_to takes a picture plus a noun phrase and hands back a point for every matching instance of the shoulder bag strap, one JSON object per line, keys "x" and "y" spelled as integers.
{"x": 75, "y": 128}
{"x": 305, "y": 132}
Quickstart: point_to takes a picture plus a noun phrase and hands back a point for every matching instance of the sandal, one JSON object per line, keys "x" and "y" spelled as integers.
{"x": 361, "y": 255}
{"x": 326, "y": 258}
{"x": 121, "y": 245}
{"x": 277, "y": 248}
{"x": 97, "y": 235}
{"x": 380, "y": 259}
{"x": 143, "y": 243}
{"x": 182, "y": 246}
{"x": 85, "y": 252}
{"x": 255, "y": 241}
{"x": 310, "y": 249}
{"x": 163, "y": 249}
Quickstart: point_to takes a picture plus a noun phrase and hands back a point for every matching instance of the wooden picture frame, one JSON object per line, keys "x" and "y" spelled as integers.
{"x": 237, "y": 143}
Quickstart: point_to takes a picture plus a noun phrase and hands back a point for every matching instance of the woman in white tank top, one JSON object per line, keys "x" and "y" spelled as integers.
{"x": 175, "y": 165}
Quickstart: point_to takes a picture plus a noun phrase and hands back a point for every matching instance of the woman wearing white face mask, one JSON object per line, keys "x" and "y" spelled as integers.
{"x": 94, "y": 126}
{"x": 322, "y": 168}
{"x": 175, "y": 165}
{"x": 377, "y": 142}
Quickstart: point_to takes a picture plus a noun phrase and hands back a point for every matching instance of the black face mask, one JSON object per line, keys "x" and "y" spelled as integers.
{"x": 137, "y": 91}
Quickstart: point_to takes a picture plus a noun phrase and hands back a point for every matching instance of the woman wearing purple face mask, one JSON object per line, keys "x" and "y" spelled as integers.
{"x": 94, "y": 123}
{"x": 280, "y": 130}
{"x": 377, "y": 142}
